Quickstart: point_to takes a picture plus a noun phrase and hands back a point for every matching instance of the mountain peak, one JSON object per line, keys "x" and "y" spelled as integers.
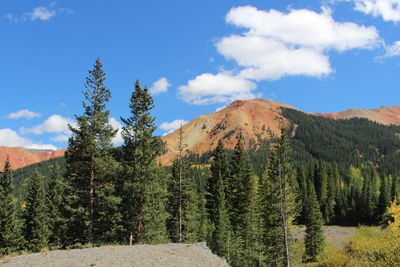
{"x": 251, "y": 118}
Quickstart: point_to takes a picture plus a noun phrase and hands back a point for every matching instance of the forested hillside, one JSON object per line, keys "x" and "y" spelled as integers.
{"x": 243, "y": 202}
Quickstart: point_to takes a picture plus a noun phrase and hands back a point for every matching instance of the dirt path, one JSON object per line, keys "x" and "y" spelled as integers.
{"x": 168, "y": 255}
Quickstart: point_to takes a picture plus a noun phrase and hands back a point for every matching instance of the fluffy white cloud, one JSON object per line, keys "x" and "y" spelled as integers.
{"x": 266, "y": 58}
{"x": 210, "y": 88}
{"x": 60, "y": 138}
{"x": 393, "y": 50}
{"x": 41, "y": 13}
{"x": 304, "y": 28}
{"x": 10, "y": 138}
{"x": 273, "y": 45}
{"x": 54, "y": 124}
{"x": 24, "y": 113}
{"x": 117, "y": 126}
{"x": 160, "y": 86}
{"x": 389, "y": 10}
{"x": 169, "y": 127}
{"x": 295, "y": 43}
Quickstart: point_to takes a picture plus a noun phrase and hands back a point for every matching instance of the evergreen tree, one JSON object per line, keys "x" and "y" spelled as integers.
{"x": 219, "y": 171}
{"x": 238, "y": 182}
{"x": 384, "y": 197}
{"x": 184, "y": 208}
{"x": 395, "y": 188}
{"x": 279, "y": 207}
{"x": 314, "y": 239}
{"x": 93, "y": 206}
{"x": 144, "y": 183}
{"x": 55, "y": 207}
{"x": 36, "y": 218}
{"x": 7, "y": 211}
{"x": 222, "y": 236}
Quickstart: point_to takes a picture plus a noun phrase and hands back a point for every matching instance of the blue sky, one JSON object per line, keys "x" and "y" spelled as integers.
{"x": 197, "y": 56}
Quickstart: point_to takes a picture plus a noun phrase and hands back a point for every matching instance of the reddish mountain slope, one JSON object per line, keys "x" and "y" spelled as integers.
{"x": 21, "y": 157}
{"x": 383, "y": 115}
{"x": 252, "y": 118}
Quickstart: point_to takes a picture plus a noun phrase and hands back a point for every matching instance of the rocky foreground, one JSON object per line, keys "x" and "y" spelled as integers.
{"x": 140, "y": 255}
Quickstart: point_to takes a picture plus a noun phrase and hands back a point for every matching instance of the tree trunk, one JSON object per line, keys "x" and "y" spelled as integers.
{"x": 91, "y": 206}
{"x": 131, "y": 235}
{"x": 283, "y": 207}
{"x": 138, "y": 231}
{"x": 180, "y": 202}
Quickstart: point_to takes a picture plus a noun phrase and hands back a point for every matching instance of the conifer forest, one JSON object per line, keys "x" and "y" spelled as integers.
{"x": 244, "y": 203}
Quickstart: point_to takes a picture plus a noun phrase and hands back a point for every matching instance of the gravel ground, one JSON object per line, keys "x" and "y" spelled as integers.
{"x": 339, "y": 236}
{"x": 168, "y": 255}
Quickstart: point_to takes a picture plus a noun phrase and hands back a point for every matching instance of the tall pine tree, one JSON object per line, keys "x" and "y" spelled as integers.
{"x": 144, "y": 185}
{"x": 36, "y": 219}
{"x": 183, "y": 199}
{"x": 314, "y": 239}
{"x": 56, "y": 207}
{"x": 93, "y": 206}
{"x": 279, "y": 207}
{"x": 7, "y": 210}
{"x": 222, "y": 236}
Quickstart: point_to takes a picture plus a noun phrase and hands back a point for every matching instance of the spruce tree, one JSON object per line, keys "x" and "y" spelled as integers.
{"x": 222, "y": 236}
{"x": 279, "y": 207}
{"x": 183, "y": 199}
{"x": 144, "y": 185}
{"x": 56, "y": 207}
{"x": 238, "y": 181}
{"x": 384, "y": 198}
{"x": 7, "y": 211}
{"x": 36, "y": 219}
{"x": 219, "y": 171}
{"x": 314, "y": 239}
{"x": 93, "y": 205}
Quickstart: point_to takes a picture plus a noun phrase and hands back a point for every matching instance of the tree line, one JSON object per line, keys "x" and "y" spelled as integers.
{"x": 243, "y": 208}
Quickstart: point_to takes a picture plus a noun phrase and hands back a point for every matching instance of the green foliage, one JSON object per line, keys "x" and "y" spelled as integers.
{"x": 352, "y": 141}
{"x": 20, "y": 176}
{"x": 55, "y": 200}
{"x": 279, "y": 207}
{"x": 8, "y": 226}
{"x": 93, "y": 206}
{"x": 36, "y": 219}
{"x": 184, "y": 198}
{"x": 143, "y": 182}
{"x": 314, "y": 239}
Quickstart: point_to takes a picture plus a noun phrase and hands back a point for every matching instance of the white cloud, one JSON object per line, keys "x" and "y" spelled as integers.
{"x": 169, "y": 127}
{"x": 273, "y": 45}
{"x": 24, "y": 113}
{"x": 389, "y": 10}
{"x": 54, "y": 124}
{"x": 210, "y": 88}
{"x": 390, "y": 51}
{"x": 60, "y": 138}
{"x": 117, "y": 126}
{"x": 220, "y": 108}
{"x": 295, "y": 43}
{"x": 41, "y": 13}
{"x": 10, "y": 138}
{"x": 304, "y": 28}
{"x": 266, "y": 58}
{"x": 160, "y": 86}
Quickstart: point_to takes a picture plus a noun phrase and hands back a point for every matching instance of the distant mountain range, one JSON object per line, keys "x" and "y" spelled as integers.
{"x": 21, "y": 157}
{"x": 258, "y": 118}
{"x": 252, "y": 118}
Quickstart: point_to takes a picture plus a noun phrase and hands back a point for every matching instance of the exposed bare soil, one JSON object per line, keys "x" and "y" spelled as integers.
{"x": 166, "y": 255}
